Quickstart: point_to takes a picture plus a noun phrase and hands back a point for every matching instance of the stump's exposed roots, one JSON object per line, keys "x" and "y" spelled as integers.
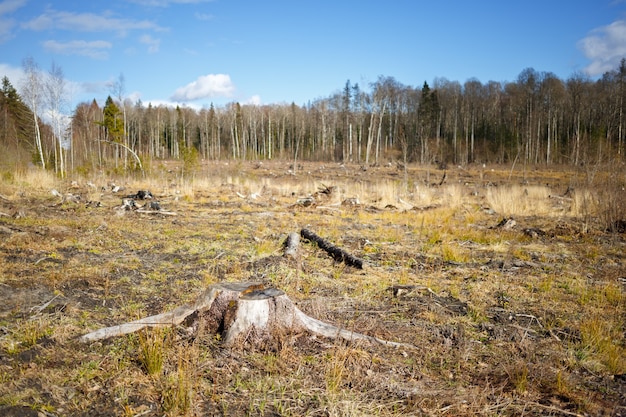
{"x": 239, "y": 311}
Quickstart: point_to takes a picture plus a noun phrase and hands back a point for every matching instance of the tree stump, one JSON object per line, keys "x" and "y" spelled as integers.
{"x": 291, "y": 245}
{"x": 239, "y": 311}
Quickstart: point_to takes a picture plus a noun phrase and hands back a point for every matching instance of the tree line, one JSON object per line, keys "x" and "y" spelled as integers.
{"x": 537, "y": 119}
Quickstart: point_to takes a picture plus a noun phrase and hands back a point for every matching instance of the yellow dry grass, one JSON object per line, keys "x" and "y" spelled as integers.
{"x": 505, "y": 323}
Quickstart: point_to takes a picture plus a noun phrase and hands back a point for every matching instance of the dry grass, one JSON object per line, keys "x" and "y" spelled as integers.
{"x": 518, "y": 200}
{"x": 511, "y": 323}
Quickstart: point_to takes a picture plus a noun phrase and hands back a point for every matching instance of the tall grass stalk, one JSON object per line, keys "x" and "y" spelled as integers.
{"x": 152, "y": 350}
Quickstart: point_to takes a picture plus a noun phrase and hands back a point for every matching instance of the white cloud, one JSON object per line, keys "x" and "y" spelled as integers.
{"x": 211, "y": 85}
{"x": 87, "y": 22}
{"x": 93, "y": 49}
{"x": 255, "y": 100}
{"x": 605, "y": 47}
{"x": 170, "y": 104}
{"x": 153, "y": 44}
{"x": 133, "y": 97}
{"x": 7, "y": 25}
{"x": 14, "y": 74}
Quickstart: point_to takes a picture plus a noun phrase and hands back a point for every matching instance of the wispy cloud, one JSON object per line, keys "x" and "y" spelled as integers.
{"x": 87, "y": 22}
{"x": 203, "y": 16}
{"x": 211, "y": 85}
{"x": 7, "y": 24}
{"x": 9, "y": 6}
{"x": 93, "y": 49}
{"x": 6, "y": 28}
{"x": 153, "y": 44}
{"x": 605, "y": 47}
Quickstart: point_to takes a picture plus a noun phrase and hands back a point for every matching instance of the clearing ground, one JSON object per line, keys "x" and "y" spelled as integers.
{"x": 507, "y": 282}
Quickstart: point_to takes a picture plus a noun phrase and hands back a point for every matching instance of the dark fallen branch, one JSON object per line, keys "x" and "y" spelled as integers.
{"x": 336, "y": 253}
{"x": 442, "y": 179}
{"x": 141, "y": 195}
{"x": 152, "y": 211}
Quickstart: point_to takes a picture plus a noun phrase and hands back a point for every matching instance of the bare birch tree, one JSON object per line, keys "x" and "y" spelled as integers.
{"x": 32, "y": 92}
{"x": 118, "y": 89}
{"x": 56, "y": 99}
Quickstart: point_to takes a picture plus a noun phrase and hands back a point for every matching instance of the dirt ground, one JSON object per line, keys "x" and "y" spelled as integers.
{"x": 508, "y": 284}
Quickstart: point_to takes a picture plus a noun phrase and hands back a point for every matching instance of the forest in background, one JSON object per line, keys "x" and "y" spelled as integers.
{"x": 537, "y": 119}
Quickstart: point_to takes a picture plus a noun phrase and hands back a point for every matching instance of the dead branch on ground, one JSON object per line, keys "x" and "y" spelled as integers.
{"x": 335, "y": 252}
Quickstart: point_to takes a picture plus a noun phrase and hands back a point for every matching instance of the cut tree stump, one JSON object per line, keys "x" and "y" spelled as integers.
{"x": 240, "y": 312}
{"x": 291, "y": 245}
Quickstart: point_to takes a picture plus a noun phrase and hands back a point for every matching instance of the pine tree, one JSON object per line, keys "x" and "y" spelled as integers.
{"x": 16, "y": 130}
{"x": 113, "y": 123}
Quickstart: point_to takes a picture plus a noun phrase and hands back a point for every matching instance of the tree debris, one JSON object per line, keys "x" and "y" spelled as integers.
{"x": 353, "y": 201}
{"x": 506, "y": 224}
{"x": 400, "y": 290}
{"x": 305, "y": 201}
{"x": 325, "y": 191}
{"x": 152, "y": 211}
{"x": 141, "y": 195}
{"x": 443, "y": 178}
{"x": 534, "y": 232}
{"x": 336, "y": 253}
{"x": 129, "y": 204}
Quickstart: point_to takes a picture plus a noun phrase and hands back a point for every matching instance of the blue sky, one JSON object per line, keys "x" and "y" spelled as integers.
{"x": 197, "y": 52}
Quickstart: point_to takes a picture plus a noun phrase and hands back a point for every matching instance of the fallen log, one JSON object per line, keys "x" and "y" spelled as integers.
{"x": 336, "y": 253}
{"x": 240, "y": 312}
